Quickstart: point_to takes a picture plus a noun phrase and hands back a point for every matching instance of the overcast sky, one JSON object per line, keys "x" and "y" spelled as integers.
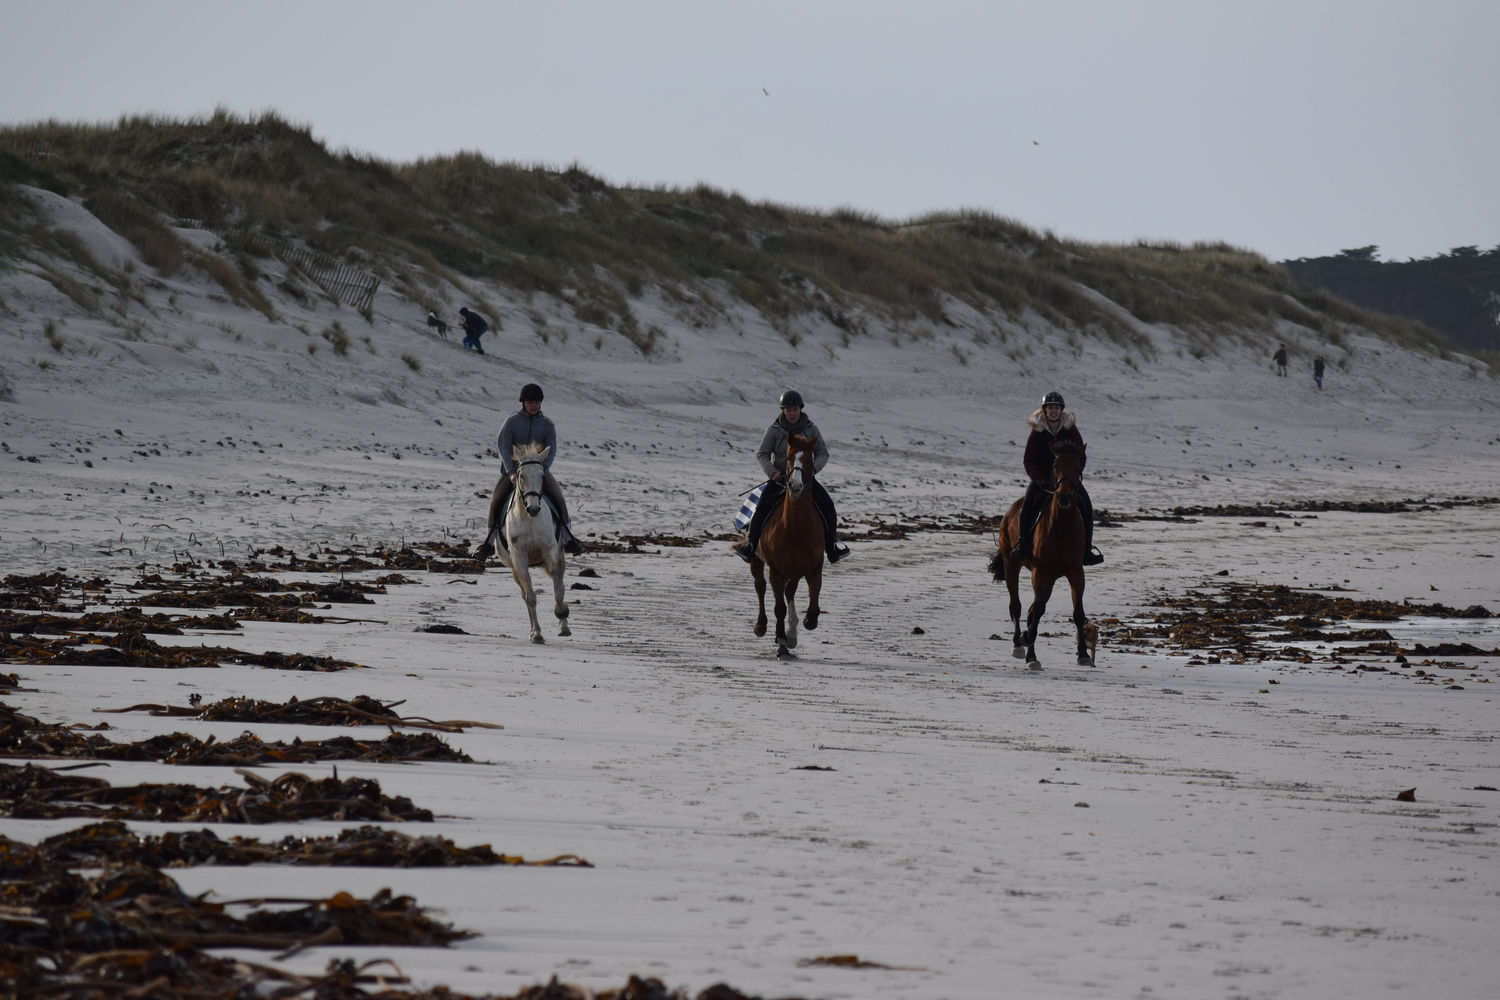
{"x": 1290, "y": 127}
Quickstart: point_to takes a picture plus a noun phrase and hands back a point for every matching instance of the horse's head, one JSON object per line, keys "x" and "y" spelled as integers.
{"x": 530, "y": 471}
{"x": 799, "y": 464}
{"x": 1067, "y": 468}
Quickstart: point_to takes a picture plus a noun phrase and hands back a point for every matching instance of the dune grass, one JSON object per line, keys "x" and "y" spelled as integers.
{"x": 566, "y": 234}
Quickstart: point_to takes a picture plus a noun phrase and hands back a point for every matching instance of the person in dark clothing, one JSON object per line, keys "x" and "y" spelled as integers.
{"x": 1318, "y": 370}
{"x": 1052, "y": 422}
{"x": 474, "y": 328}
{"x": 772, "y": 458}
{"x": 1280, "y": 358}
{"x": 528, "y": 425}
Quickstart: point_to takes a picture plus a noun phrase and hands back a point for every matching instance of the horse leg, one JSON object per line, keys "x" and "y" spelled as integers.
{"x": 779, "y": 591}
{"x": 556, "y": 570}
{"x": 522, "y": 574}
{"x": 814, "y": 587}
{"x": 791, "y": 613}
{"x": 758, "y": 570}
{"x": 1075, "y": 582}
{"x": 1013, "y": 584}
{"x": 1041, "y": 590}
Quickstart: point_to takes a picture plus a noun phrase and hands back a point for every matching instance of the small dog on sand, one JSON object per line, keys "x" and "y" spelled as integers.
{"x": 433, "y": 323}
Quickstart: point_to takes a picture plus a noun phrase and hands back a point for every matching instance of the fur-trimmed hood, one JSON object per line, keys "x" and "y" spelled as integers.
{"x": 1039, "y": 422}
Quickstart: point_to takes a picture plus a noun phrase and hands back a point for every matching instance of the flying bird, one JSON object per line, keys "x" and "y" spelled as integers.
{"x": 763, "y": 90}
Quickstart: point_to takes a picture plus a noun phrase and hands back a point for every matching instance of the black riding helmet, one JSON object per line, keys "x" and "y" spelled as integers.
{"x": 531, "y": 393}
{"x": 791, "y": 398}
{"x": 1053, "y": 397}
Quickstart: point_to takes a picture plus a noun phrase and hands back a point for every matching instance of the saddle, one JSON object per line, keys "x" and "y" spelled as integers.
{"x": 557, "y": 525}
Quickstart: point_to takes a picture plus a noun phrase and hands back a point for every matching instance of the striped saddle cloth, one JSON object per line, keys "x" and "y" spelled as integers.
{"x": 747, "y": 510}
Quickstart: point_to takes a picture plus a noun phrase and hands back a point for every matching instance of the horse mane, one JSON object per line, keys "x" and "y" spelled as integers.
{"x": 530, "y": 449}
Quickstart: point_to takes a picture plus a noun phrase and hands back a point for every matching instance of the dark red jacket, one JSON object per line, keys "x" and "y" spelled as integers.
{"x": 1038, "y": 458}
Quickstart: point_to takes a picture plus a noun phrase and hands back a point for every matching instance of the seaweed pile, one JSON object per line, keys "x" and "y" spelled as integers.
{"x": 24, "y": 736}
{"x": 1243, "y": 623}
{"x": 88, "y": 913}
{"x": 361, "y": 710}
{"x": 31, "y": 792}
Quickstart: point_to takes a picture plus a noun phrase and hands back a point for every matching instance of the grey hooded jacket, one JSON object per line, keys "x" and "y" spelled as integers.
{"x": 772, "y": 453}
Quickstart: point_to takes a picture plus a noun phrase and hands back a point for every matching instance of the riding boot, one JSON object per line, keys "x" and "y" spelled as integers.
{"x": 571, "y": 545}
{"x": 770, "y": 496}
{"x": 495, "y": 524}
{"x": 1026, "y": 524}
{"x": 824, "y": 504}
{"x": 1091, "y": 555}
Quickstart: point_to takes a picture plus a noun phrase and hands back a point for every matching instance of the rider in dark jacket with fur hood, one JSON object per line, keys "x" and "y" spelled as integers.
{"x": 1051, "y": 423}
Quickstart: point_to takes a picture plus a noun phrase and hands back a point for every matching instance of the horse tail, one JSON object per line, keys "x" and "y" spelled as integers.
{"x": 997, "y": 565}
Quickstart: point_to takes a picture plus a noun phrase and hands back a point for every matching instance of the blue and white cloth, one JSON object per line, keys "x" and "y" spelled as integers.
{"x": 747, "y": 509}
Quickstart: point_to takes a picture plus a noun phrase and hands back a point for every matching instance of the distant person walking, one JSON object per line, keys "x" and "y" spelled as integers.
{"x": 474, "y": 328}
{"x": 1280, "y": 358}
{"x": 1318, "y": 370}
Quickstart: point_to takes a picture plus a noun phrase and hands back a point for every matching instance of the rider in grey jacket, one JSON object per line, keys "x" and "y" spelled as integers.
{"x": 528, "y": 425}
{"x": 772, "y": 459}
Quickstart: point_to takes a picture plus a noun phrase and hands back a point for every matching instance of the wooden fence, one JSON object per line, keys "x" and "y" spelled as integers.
{"x": 349, "y": 285}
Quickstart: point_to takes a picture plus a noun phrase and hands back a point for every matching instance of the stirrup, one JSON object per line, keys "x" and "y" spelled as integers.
{"x": 1093, "y": 556}
{"x": 573, "y": 547}
{"x": 837, "y": 554}
{"x": 744, "y": 551}
{"x": 482, "y": 551}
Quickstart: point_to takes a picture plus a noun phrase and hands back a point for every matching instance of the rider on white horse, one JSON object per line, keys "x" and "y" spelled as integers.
{"x": 527, "y": 425}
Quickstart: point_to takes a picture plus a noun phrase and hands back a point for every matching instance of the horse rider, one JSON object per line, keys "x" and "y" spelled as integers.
{"x": 1052, "y": 422}
{"x": 528, "y": 425}
{"x": 772, "y": 457}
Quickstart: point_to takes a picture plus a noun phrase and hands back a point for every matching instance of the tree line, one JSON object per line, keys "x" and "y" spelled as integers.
{"x": 1457, "y": 293}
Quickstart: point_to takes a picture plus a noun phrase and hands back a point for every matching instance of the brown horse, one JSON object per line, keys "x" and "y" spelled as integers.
{"x": 791, "y": 549}
{"x": 1056, "y": 551}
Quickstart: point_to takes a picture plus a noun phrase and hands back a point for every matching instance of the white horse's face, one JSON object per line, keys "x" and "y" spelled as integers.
{"x": 530, "y": 473}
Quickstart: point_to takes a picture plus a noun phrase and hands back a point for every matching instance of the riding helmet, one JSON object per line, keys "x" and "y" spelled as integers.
{"x": 791, "y": 398}
{"x": 1053, "y": 397}
{"x": 531, "y": 393}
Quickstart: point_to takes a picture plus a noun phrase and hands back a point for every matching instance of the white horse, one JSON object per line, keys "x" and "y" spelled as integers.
{"x": 531, "y": 536}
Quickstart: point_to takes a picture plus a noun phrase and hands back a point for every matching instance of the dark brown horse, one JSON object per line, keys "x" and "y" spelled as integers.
{"x": 1056, "y": 551}
{"x": 791, "y": 550}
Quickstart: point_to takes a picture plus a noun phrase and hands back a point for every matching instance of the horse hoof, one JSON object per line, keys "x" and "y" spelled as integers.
{"x": 538, "y": 640}
{"x": 1033, "y": 664}
{"x": 782, "y": 653}
{"x": 1085, "y": 661}
{"x": 791, "y": 642}
{"x": 565, "y": 631}
{"x": 810, "y": 623}
{"x": 1019, "y": 652}
{"x": 760, "y": 628}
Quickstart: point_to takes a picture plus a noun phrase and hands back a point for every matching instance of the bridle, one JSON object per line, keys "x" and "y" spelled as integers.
{"x": 521, "y": 495}
{"x": 795, "y": 478}
{"x": 1064, "y": 500}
